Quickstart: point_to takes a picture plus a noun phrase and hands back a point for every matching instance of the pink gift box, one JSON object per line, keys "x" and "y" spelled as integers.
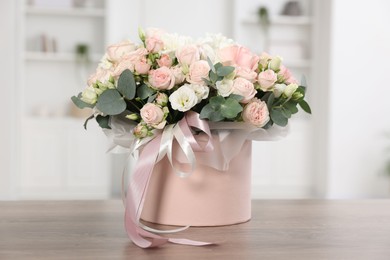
{"x": 208, "y": 197}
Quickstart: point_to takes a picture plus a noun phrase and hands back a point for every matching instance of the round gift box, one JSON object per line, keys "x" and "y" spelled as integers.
{"x": 208, "y": 197}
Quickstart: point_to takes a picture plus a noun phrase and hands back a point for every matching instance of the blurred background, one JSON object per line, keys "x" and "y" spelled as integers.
{"x": 49, "y": 47}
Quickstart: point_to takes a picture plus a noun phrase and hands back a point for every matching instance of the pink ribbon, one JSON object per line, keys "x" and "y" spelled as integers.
{"x": 148, "y": 157}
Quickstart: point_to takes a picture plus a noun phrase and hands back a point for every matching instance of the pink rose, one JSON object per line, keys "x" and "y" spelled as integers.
{"x": 116, "y": 51}
{"x": 245, "y": 88}
{"x": 101, "y": 74}
{"x": 154, "y": 44}
{"x": 140, "y": 131}
{"x": 199, "y": 70}
{"x": 178, "y": 74}
{"x": 165, "y": 60}
{"x": 238, "y": 56}
{"x": 142, "y": 66}
{"x": 161, "y": 78}
{"x": 129, "y": 60}
{"x": 188, "y": 54}
{"x": 153, "y": 115}
{"x": 246, "y": 74}
{"x": 267, "y": 79}
{"x": 256, "y": 113}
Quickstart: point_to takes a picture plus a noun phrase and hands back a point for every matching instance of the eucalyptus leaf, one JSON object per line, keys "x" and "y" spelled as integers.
{"x": 224, "y": 70}
{"x": 152, "y": 98}
{"x": 292, "y": 106}
{"x": 305, "y": 106}
{"x": 286, "y": 112}
{"x": 213, "y": 76}
{"x": 278, "y": 117}
{"x": 144, "y": 91}
{"x": 79, "y": 103}
{"x": 211, "y": 65}
{"x": 270, "y": 100}
{"x": 212, "y": 113}
{"x": 217, "y": 101}
{"x": 230, "y": 108}
{"x": 103, "y": 121}
{"x": 236, "y": 97}
{"x": 86, "y": 121}
{"x": 110, "y": 102}
{"x": 126, "y": 84}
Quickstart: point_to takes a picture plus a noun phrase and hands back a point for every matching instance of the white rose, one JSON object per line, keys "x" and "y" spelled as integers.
{"x": 89, "y": 95}
{"x": 275, "y": 63}
{"x": 224, "y": 87}
{"x": 183, "y": 99}
{"x": 201, "y": 91}
{"x": 290, "y": 89}
{"x": 279, "y": 89}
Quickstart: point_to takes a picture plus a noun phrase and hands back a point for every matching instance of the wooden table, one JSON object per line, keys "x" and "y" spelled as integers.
{"x": 280, "y": 229}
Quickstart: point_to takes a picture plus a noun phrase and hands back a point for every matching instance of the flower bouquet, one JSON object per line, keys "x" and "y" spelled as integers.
{"x": 190, "y": 108}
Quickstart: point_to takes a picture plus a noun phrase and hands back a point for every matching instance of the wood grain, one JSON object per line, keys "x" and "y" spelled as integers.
{"x": 289, "y": 229}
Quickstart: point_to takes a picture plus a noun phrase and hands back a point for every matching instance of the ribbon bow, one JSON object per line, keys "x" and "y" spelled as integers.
{"x": 150, "y": 154}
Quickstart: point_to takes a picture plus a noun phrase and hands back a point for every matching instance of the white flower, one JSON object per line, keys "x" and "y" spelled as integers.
{"x": 173, "y": 41}
{"x": 89, "y": 95}
{"x": 224, "y": 87}
{"x": 210, "y": 44}
{"x": 290, "y": 89}
{"x": 183, "y": 99}
{"x": 279, "y": 89}
{"x": 201, "y": 91}
{"x": 104, "y": 63}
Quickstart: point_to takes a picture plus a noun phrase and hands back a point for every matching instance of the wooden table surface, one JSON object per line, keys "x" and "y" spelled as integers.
{"x": 279, "y": 229}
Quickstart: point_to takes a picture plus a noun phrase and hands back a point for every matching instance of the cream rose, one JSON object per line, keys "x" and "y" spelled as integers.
{"x": 161, "y": 78}
{"x": 188, "y": 54}
{"x": 224, "y": 87}
{"x": 89, "y": 95}
{"x": 183, "y": 99}
{"x": 245, "y": 88}
{"x": 153, "y": 115}
{"x": 116, "y": 51}
{"x": 256, "y": 113}
{"x": 199, "y": 70}
{"x": 201, "y": 91}
{"x": 290, "y": 89}
{"x": 267, "y": 79}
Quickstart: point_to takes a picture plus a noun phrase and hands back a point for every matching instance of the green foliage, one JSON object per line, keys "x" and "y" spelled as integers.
{"x": 110, "y": 102}
{"x": 144, "y": 91}
{"x": 305, "y": 106}
{"x": 224, "y": 71}
{"x": 103, "y": 121}
{"x": 278, "y": 118}
{"x": 86, "y": 121}
{"x": 126, "y": 84}
{"x": 220, "y": 108}
{"x": 79, "y": 103}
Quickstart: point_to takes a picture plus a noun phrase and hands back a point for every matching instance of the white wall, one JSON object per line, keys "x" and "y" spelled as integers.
{"x": 8, "y": 106}
{"x": 359, "y": 98}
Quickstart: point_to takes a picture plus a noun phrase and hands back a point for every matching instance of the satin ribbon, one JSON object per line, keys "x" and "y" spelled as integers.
{"x": 152, "y": 152}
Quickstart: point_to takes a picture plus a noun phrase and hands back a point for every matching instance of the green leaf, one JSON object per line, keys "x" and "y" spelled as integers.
{"x": 211, "y": 65}
{"x": 211, "y": 113}
{"x": 286, "y": 113}
{"x": 126, "y": 84}
{"x": 217, "y": 101}
{"x": 103, "y": 121}
{"x": 79, "y": 103}
{"x": 218, "y": 65}
{"x": 270, "y": 100}
{"x": 224, "y": 70}
{"x": 152, "y": 98}
{"x": 110, "y": 102}
{"x": 278, "y": 117}
{"x": 213, "y": 76}
{"x": 230, "y": 108}
{"x": 144, "y": 91}
{"x": 305, "y": 106}
{"x": 236, "y": 97}
{"x": 292, "y": 106}
{"x": 86, "y": 121}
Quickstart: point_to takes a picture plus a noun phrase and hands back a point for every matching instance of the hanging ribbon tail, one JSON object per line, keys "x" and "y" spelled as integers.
{"x": 135, "y": 199}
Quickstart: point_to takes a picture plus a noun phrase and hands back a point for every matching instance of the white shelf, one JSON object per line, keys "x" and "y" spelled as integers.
{"x": 80, "y": 12}
{"x": 281, "y": 20}
{"x": 57, "y": 56}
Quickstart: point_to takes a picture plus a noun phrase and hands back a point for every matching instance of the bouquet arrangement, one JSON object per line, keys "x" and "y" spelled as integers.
{"x": 156, "y": 82}
{"x": 171, "y": 87}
